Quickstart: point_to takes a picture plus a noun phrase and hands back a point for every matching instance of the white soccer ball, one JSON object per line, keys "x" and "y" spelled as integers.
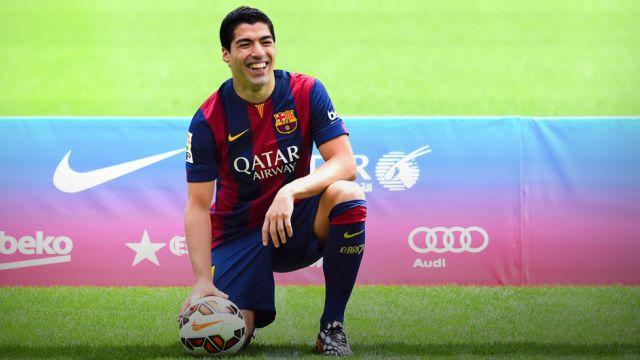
{"x": 212, "y": 326}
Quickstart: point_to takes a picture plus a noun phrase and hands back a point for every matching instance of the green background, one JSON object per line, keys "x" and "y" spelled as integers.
{"x": 401, "y": 57}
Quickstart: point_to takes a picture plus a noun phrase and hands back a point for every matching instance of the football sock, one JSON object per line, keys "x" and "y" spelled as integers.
{"x": 342, "y": 254}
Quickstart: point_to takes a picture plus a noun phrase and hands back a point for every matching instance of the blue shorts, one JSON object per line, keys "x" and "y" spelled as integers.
{"x": 243, "y": 267}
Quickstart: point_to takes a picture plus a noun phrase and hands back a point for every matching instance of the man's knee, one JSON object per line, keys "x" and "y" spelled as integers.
{"x": 341, "y": 191}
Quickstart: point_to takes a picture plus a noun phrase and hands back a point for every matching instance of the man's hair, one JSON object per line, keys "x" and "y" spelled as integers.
{"x": 242, "y": 15}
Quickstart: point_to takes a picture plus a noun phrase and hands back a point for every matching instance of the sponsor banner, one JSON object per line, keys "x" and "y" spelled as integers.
{"x": 99, "y": 201}
{"x": 451, "y": 176}
{"x": 581, "y": 187}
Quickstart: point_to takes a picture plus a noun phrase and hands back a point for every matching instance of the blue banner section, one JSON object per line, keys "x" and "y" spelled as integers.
{"x": 450, "y": 200}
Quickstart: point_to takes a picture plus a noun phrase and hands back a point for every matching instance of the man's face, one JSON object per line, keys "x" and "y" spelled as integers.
{"x": 252, "y": 54}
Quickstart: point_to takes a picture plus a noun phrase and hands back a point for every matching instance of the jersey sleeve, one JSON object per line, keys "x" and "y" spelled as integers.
{"x": 201, "y": 151}
{"x": 325, "y": 122}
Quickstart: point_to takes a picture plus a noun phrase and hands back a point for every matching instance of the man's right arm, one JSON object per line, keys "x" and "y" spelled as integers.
{"x": 202, "y": 171}
{"x": 197, "y": 224}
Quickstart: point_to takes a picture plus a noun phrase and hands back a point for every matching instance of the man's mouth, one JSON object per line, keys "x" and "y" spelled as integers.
{"x": 258, "y": 66}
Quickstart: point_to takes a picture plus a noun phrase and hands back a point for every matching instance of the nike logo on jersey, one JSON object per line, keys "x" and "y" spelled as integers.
{"x": 349, "y": 236}
{"x": 234, "y": 138}
{"x": 70, "y": 181}
{"x": 198, "y": 327}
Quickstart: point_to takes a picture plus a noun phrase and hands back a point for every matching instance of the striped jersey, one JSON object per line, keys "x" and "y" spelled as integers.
{"x": 252, "y": 150}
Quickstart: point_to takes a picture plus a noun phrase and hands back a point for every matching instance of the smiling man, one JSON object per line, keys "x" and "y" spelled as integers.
{"x": 251, "y": 141}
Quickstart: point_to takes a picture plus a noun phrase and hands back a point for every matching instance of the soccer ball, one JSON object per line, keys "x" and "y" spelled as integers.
{"x": 212, "y": 326}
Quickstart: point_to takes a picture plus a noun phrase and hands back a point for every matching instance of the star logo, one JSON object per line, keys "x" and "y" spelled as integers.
{"x": 145, "y": 250}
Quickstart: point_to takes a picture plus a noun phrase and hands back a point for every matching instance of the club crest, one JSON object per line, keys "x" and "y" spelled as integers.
{"x": 285, "y": 122}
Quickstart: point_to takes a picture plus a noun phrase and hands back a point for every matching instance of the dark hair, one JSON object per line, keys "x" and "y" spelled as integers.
{"x": 242, "y": 15}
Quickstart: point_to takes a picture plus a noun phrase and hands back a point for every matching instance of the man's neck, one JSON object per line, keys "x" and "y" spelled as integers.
{"x": 254, "y": 95}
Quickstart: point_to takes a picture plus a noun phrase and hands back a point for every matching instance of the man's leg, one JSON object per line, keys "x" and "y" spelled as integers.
{"x": 340, "y": 227}
{"x": 242, "y": 268}
{"x": 249, "y": 321}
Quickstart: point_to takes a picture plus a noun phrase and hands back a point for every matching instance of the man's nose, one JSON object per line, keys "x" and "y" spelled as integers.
{"x": 258, "y": 50}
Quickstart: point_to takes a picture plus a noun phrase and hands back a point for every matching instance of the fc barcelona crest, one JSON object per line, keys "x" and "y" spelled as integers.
{"x": 286, "y": 122}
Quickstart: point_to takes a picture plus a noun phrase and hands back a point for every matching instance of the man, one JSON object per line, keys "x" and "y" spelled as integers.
{"x": 253, "y": 137}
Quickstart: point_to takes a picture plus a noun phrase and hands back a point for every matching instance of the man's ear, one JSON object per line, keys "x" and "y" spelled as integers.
{"x": 226, "y": 57}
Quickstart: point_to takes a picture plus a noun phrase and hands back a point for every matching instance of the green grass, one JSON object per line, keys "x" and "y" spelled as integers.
{"x": 490, "y": 57}
{"x": 414, "y": 322}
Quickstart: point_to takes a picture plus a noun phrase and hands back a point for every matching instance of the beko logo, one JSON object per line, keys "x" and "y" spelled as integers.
{"x": 38, "y": 245}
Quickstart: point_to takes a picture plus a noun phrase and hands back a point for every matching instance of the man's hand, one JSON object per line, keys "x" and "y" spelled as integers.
{"x": 200, "y": 289}
{"x": 278, "y": 218}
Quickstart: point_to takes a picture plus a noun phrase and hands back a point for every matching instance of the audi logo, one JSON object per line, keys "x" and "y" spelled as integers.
{"x": 456, "y": 239}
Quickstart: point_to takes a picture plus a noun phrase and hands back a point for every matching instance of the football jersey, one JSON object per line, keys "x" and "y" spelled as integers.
{"x": 254, "y": 150}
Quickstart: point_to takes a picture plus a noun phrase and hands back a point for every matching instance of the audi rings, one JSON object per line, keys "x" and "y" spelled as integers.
{"x": 440, "y": 239}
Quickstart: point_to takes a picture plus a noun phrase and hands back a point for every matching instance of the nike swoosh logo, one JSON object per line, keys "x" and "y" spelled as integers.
{"x": 233, "y": 138}
{"x": 349, "y": 236}
{"x": 70, "y": 181}
{"x": 198, "y": 327}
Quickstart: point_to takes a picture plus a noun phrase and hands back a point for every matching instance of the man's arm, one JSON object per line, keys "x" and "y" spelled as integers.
{"x": 197, "y": 224}
{"x": 339, "y": 165}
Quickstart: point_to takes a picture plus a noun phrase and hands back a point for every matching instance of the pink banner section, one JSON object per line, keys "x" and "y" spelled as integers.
{"x": 581, "y": 191}
{"x": 489, "y": 201}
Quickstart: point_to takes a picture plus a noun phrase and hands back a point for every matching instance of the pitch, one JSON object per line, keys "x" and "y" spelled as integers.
{"x": 411, "y": 322}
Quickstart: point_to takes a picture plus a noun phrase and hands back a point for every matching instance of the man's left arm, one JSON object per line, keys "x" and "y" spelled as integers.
{"x": 339, "y": 164}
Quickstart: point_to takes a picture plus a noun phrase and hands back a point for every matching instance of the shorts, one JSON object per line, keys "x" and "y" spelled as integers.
{"x": 243, "y": 268}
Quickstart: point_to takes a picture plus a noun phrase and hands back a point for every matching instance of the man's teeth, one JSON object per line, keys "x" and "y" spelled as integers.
{"x": 258, "y": 66}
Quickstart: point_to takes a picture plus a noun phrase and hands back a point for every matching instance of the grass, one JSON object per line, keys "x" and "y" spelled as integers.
{"x": 140, "y": 322}
{"x": 402, "y": 57}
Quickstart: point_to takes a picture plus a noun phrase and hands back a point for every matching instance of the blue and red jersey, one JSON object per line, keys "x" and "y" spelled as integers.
{"x": 252, "y": 150}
